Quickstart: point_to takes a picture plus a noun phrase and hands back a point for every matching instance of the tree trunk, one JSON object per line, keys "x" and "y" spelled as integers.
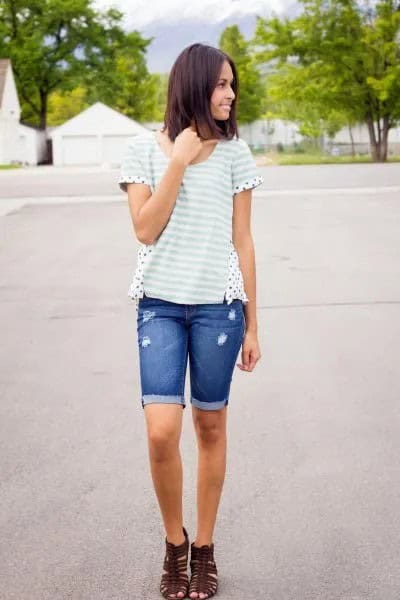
{"x": 43, "y": 109}
{"x": 379, "y": 147}
{"x": 353, "y": 150}
{"x": 47, "y": 159}
{"x": 383, "y": 150}
{"x": 372, "y": 139}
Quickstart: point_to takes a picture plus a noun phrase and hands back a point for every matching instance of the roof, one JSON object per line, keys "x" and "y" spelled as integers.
{"x": 4, "y": 64}
{"x": 99, "y": 119}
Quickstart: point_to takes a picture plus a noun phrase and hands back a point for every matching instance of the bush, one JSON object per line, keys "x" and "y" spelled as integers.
{"x": 298, "y": 148}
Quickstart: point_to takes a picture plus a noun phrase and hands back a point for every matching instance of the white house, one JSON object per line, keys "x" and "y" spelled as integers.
{"x": 31, "y": 145}
{"x": 360, "y": 135}
{"x": 261, "y": 133}
{"x": 19, "y": 143}
{"x": 10, "y": 111}
{"x": 264, "y": 133}
{"x": 96, "y": 136}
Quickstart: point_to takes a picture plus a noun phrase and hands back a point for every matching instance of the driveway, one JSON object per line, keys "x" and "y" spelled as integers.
{"x": 310, "y": 504}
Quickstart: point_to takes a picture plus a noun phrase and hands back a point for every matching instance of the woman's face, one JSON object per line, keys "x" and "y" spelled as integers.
{"x": 223, "y": 95}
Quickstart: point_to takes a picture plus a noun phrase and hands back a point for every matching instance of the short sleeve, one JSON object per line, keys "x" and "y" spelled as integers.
{"x": 245, "y": 175}
{"x": 132, "y": 166}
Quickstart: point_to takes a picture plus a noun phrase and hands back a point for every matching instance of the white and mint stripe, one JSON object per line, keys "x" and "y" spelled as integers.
{"x": 189, "y": 262}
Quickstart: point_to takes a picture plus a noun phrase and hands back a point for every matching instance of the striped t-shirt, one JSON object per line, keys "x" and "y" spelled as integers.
{"x": 189, "y": 262}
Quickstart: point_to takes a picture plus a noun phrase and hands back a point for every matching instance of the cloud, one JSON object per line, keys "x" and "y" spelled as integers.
{"x": 139, "y": 13}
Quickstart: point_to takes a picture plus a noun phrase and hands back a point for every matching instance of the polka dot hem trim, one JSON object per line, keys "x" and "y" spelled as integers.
{"x": 234, "y": 288}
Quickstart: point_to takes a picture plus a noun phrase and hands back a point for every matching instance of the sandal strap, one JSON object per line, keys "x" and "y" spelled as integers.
{"x": 175, "y": 578}
{"x": 204, "y": 576}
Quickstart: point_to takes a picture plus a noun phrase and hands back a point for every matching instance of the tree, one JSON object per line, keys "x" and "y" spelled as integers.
{"x": 294, "y": 94}
{"x": 251, "y": 95}
{"x": 122, "y": 79}
{"x": 65, "y": 105}
{"x": 161, "y": 96}
{"x": 346, "y": 55}
{"x": 63, "y": 44}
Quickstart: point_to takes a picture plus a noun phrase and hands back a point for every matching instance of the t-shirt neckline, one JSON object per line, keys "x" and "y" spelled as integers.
{"x": 202, "y": 162}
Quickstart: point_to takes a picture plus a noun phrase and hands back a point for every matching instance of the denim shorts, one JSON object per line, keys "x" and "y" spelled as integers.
{"x": 168, "y": 333}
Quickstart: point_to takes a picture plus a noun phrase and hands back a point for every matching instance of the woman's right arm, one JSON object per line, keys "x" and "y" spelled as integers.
{"x": 150, "y": 212}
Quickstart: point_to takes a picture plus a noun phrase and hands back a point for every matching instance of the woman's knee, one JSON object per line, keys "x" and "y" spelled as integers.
{"x": 164, "y": 426}
{"x": 163, "y": 443}
{"x": 210, "y": 426}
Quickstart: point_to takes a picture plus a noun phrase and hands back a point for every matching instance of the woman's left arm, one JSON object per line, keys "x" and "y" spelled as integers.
{"x": 243, "y": 241}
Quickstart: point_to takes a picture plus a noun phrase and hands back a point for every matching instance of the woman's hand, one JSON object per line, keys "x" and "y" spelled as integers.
{"x": 187, "y": 146}
{"x": 250, "y": 351}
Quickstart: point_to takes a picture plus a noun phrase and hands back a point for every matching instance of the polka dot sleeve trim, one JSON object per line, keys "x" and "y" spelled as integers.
{"x": 123, "y": 180}
{"x": 249, "y": 184}
{"x": 133, "y": 166}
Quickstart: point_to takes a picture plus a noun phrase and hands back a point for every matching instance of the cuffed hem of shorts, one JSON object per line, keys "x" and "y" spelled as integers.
{"x": 208, "y": 405}
{"x": 164, "y": 399}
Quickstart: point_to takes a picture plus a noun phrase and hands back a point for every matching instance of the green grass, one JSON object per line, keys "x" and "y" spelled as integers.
{"x": 9, "y": 166}
{"x": 284, "y": 158}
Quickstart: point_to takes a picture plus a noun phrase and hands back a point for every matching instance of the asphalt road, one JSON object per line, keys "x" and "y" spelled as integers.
{"x": 310, "y": 503}
{"x": 47, "y": 181}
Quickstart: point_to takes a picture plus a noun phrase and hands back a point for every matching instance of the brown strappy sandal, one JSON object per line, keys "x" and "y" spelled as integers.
{"x": 175, "y": 578}
{"x": 204, "y": 576}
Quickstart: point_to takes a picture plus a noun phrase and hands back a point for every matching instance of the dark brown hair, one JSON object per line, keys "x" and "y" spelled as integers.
{"x": 192, "y": 80}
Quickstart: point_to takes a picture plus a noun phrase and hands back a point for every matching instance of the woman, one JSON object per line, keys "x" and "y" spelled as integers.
{"x": 189, "y": 192}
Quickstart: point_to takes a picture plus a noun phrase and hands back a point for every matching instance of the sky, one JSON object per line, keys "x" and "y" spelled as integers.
{"x": 141, "y": 13}
{"x": 174, "y": 24}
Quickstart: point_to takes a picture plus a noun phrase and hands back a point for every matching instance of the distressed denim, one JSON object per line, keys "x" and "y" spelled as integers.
{"x": 168, "y": 333}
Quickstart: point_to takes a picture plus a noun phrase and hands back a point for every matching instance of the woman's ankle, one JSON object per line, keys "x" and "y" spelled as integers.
{"x": 176, "y": 537}
{"x": 202, "y": 542}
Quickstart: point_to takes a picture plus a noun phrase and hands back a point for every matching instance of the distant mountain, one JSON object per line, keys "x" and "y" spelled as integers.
{"x": 170, "y": 39}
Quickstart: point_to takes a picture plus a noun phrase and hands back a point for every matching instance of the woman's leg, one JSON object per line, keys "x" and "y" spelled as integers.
{"x": 164, "y": 426}
{"x": 163, "y": 344}
{"x": 215, "y": 337}
{"x": 210, "y": 428}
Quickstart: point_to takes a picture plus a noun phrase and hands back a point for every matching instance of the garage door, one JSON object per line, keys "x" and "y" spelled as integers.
{"x": 113, "y": 148}
{"x": 80, "y": 149}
